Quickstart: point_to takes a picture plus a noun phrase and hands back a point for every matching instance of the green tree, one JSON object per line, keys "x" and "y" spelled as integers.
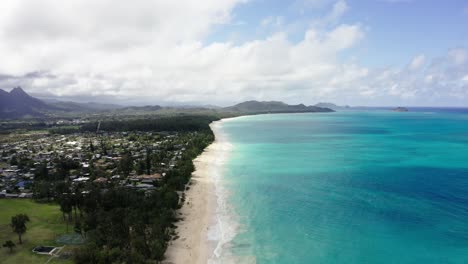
{"x": 18, "y": 223}
{"x": 66, "y": 207}
{"x": 42, "y": 173}
{"x": 91, "y": 169}
{"x": 103, "y": 147}
{"x": 9, "y": 244}
{"x": 141, "y": 167}
{"x": 148, "y": 160}
{"x": 91, "y": 146}
{"x": 78, "y": 228}
{"x": 13, "y": 161}
{"x": 126, "y": 164}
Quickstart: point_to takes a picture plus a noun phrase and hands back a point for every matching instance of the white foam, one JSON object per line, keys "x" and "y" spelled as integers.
{"x": 224, "y": 227}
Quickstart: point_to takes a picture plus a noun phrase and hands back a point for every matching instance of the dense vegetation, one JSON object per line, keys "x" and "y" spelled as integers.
{"x": 182, "y": 123}
{"x": 120, "y": 224}
{"x": 126, "y": 226}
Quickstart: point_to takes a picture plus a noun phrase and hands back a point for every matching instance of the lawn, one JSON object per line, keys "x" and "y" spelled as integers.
{"x": 45, "y": 225}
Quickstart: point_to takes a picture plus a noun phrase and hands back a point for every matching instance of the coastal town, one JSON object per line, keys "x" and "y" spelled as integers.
{"x": 136, "y": 160}
{"x": 74, "y": 184}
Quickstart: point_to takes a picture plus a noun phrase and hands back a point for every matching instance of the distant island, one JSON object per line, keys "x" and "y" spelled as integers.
{"x": 400, "y": 109}
{"x": 18, "y": 104}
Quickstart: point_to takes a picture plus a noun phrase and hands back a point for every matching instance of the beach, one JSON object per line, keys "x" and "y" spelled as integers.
{"x": 198, "y": 214}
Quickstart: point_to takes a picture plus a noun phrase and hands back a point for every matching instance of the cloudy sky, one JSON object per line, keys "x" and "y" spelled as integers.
{"x": 357, "y": 52}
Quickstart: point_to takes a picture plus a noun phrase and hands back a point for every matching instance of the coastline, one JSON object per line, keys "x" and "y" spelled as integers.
{"x": 198, "y": 229}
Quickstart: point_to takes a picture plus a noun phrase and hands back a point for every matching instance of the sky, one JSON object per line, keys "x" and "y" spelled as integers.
{"x": 221, "y": 52}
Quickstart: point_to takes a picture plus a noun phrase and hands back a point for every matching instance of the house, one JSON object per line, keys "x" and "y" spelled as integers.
{"x": 149, "y": 178}
{"x": 100, "y": 180}
{"x": 25, "y": 195}
{"x": 144, "y": 186}
{"x": 81, "y": 179}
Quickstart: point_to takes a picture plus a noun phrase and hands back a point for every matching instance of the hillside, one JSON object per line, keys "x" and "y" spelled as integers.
{"x": 331, "y": 106}
{"x": 254, "y": 107}
{"x": 69, "y": 106}
{"x": 17, "y": 103}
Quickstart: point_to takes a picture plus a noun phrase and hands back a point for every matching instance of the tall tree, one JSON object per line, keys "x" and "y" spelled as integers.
{"x": 126, "y": 164}
{"x": 9, "y": 244}
{"x": 91, "y": 146}
{"x": 18, "y": 223}
{"x": 103, "y": 147}
{"x": 13, "y": 161}
{"x": 78, "y": 229}
{"x": 42, "y": 173}
{"x": 148, "y": 160}
{"x": 66, "y": 207}
{"x": 141, "y": 167}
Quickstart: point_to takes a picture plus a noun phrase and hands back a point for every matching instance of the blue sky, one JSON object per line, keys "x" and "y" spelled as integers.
{"x": 355, "y": 52}
{"x": 396, "y": 30}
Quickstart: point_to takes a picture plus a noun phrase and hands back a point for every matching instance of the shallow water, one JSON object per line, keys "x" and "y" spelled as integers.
{"x": 347, "y": 187}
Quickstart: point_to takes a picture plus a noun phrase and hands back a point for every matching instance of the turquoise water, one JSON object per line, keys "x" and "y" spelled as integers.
{"x": 349, "y": 187}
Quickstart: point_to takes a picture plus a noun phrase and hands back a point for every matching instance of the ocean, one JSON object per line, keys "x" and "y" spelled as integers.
{"x": 344, "y": 187}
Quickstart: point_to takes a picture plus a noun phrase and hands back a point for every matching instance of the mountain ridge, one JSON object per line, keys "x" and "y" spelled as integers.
{"x": 331, "y": 105}
{"x": 17, "y": 104}
{"x": 273, "y": 107}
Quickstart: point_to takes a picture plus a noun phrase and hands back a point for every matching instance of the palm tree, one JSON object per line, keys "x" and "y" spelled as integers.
{"x": 18, "y": 223}
{"x": 9, "y": 244}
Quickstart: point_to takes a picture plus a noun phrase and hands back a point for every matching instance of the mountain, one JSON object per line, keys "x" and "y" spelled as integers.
{"x": 256, "y": 107}
{"x": 69, "y": 106}
{"x": 17, "y": 103}
{"x": 331, "y": 106}
{"x": 146, "y": 108}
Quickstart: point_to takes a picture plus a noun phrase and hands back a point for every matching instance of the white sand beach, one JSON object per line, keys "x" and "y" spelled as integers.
{"x": 198, "y": 213}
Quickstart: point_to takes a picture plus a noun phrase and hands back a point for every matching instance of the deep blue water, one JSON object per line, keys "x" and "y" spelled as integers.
{"x": 350, "y": 187}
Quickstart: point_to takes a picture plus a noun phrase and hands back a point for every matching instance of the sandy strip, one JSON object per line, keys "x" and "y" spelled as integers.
{"x": 198, "y": 212}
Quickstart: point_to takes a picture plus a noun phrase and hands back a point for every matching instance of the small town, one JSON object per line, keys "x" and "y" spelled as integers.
{"x": 63, "y": 193}
{"x": 136, "y": 160}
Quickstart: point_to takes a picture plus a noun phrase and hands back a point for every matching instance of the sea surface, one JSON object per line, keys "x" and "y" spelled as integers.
{"x": 345, "y": 187}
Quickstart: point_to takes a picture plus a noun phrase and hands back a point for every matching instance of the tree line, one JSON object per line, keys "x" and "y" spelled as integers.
{"x": 183, "y": 123}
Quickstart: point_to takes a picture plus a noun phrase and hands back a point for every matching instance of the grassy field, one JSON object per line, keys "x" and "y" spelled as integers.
{"x": 45, "y": 225}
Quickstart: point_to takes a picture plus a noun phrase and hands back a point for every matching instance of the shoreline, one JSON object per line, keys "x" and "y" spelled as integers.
{"x": 196, "y": 242}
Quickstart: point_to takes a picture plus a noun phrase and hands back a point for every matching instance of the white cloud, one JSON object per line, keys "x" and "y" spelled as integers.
{"x": 156, "y": 51}
{"x": 458, "y": 56}
{"x": 417, "y": 62}
{"x": 428, "y": 79}
{"x": 338, "y": 10}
